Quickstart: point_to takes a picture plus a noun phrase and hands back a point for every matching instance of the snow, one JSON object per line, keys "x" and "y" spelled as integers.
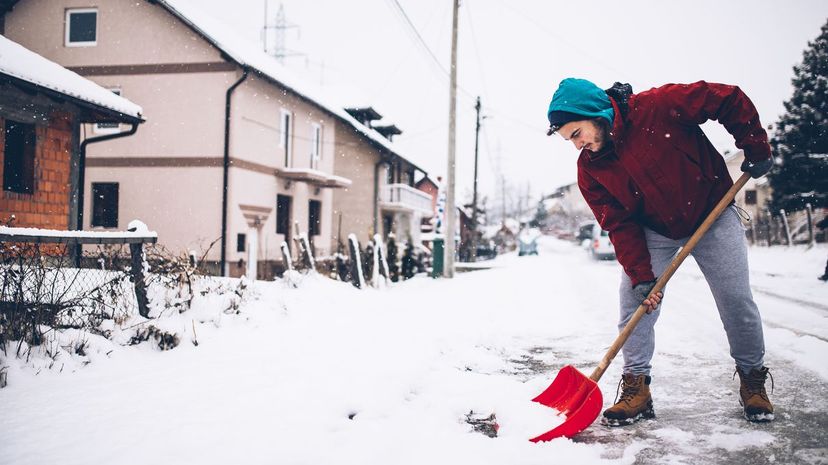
{"x": 141, "y": 233}
{"x": 316, "y": 371}
{"x": 21, "y": 63}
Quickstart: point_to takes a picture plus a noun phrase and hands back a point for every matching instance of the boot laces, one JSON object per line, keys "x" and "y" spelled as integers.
{"x": 755, "y": 383}
{"x": 628, "y": 392}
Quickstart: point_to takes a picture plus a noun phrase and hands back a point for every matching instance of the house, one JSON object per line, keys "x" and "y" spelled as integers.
{"x": 42, "y": 109}
{"x": 382, "y": 198}
{"x": 239, "y": 152}
{"x": 754, "y": 196}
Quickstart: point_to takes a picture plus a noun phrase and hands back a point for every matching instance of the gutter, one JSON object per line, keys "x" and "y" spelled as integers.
{"x": 82, "y": 175}
{"x": 376, "y": 193}
{"x": 226, "y": 174}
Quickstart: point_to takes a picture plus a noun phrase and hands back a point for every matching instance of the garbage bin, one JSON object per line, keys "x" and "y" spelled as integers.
{"x": 437, "y": 257}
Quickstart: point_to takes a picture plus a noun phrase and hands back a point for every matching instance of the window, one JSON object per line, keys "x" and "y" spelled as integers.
{"x": 19, "y": 158}
{"x": 314, "y": 217}
{"x": 283, "y": 215}
{"x": 105, "y": 204}
{"x": 286, "y": 142}
{"x": 81, "y": 27}
{"x": 109, "y": 127}
{"x": 316, "y": 145}
{"x": 241, "y": 242}
{"x": 750, "y": 197}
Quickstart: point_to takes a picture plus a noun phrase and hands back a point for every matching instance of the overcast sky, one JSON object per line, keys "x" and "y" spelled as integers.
{"x": 514, "y": 53}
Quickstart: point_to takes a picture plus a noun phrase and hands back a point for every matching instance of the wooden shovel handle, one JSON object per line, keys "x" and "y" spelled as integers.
{"x": 671, "y": 269}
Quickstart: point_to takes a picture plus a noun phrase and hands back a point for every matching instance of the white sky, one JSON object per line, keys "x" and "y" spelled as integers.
{"x": 514, "y": 53}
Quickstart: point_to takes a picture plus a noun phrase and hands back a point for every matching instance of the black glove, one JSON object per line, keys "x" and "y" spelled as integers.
{"x": 642, "y": 290}
{"x": 757, "y": 169}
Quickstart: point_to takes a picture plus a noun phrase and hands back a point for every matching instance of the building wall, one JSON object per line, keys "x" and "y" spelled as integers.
{"x": 130, "y": 32}
{"x": 355, "y": 160}
{"x": 49, "y": 206}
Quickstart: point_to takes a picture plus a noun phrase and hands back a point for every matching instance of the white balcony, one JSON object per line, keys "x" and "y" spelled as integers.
{"x": 401, "y": 197}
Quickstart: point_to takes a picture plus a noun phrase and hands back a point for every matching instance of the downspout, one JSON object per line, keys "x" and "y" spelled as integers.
{"x": 376, "y": 193}
{"x": 225, "y": 185}
{"x": 82, "y": 176}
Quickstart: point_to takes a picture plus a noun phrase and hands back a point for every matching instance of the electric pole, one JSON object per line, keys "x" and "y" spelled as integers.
{"x": 451, "y": 207}
{"x": 474, "y": 194}
{"x": 280, "y": 51}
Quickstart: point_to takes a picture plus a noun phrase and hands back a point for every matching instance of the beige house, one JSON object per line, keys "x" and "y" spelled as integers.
{"x": 756, "y": 193}
{"x": 236, "y": 151}
{"x": 381, "y": 178}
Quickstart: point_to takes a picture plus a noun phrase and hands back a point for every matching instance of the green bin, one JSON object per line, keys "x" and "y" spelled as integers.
{"x": 437, "y": 257}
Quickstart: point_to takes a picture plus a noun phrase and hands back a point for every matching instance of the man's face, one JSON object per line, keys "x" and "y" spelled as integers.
{"x": 585, "y": 134}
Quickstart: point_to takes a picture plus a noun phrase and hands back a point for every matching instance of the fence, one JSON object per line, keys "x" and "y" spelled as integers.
{"x": 787, "y": 228}
{"x": 68, "y": 279}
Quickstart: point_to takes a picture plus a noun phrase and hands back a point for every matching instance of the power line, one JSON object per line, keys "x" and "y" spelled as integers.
{"x": 424, "y": 45}
{"x": 420, "y": 39}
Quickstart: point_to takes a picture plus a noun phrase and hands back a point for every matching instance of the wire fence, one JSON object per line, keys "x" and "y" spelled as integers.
{"x": 53, "y": 282}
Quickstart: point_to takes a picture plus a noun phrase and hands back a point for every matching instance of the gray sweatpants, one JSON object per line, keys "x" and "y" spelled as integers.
{"x": 722, "y": 257}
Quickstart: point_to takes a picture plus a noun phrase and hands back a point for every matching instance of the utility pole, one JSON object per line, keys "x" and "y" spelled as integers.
{"x": 474, "y": 195}
{"x": 451, "y": 207}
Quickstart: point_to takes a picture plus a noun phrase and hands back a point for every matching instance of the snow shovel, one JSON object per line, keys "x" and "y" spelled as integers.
{"x": 576, "y": 396}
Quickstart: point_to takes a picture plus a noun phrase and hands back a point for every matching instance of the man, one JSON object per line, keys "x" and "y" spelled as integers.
{"x": 650, "y": 176}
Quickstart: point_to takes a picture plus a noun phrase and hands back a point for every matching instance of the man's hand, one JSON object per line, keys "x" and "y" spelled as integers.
{"x": 641, "y": 291}
{"x": 757, "y": 169}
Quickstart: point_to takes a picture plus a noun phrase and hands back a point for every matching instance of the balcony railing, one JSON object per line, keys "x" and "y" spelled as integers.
{"x": 403, "y": 197}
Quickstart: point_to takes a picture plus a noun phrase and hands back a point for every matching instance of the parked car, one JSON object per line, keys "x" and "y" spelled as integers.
{"x": 599, "y": 245}
{"x": 486, "y": 250}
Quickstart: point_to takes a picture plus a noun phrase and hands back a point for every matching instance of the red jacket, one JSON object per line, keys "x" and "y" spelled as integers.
{"x": 661, "y": 171}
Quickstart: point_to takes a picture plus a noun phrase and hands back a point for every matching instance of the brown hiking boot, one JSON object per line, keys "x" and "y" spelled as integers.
{"x": 634, "y": 404}
{"x": 752, "y": 395}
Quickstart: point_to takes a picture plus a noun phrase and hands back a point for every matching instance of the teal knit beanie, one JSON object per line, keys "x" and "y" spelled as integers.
{"x": 578, "y": 99}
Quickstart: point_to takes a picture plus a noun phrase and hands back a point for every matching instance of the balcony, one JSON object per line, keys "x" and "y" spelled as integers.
{"x": 404, "y": 198}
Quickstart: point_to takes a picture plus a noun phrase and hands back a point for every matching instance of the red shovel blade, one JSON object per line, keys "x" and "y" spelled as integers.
{"x": 576, "y": 397}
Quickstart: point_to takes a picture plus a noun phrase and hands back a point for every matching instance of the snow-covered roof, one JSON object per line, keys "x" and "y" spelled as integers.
{"x": 23, "y": 64}
{"x": 247, "y": 54}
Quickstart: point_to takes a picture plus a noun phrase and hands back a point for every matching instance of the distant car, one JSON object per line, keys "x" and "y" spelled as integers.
{"x": 486, "y": 250}
{"x": 599, "y": 245}
{"x": 528, "y": 242}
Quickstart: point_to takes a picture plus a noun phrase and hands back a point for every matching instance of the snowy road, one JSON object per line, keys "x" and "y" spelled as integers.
{"x": 328, "y": 374}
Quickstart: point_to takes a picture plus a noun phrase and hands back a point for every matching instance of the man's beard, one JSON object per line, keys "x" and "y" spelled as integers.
{"x": 603, "y": 139}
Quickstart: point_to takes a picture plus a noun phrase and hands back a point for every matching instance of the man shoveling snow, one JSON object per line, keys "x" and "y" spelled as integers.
{"x": 650, "y": 176}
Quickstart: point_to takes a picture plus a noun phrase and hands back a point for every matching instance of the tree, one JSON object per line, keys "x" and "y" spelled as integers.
{"x": 800, "y": 143}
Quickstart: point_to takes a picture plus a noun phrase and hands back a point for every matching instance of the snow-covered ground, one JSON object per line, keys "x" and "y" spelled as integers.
{"x": 327, "y": 374}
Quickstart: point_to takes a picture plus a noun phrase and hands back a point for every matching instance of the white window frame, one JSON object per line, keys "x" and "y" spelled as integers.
{"x": 69, "y": 12}
{"x": 98, "y": 129}
{"x": 316, "y": 145}
{"x": 286, "y": 136}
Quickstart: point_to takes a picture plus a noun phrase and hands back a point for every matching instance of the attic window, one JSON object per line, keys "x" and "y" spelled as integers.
{"x": 81, "y": 27}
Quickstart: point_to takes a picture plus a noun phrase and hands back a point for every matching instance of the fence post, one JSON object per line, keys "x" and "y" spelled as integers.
{"x": 356, "y": 262}
{"x": 286, "y": 261}
{"x": 136, "y": 252}
{"x": 809, "y": 211}
{"x": 787, "y": 229}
